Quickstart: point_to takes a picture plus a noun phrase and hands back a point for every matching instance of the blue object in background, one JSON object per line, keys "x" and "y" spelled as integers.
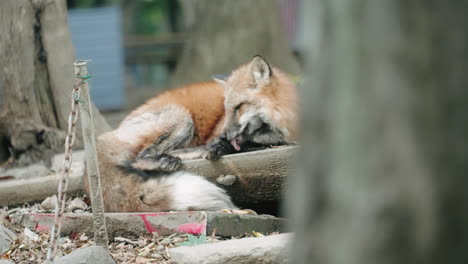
{"x": 96, "y": 36}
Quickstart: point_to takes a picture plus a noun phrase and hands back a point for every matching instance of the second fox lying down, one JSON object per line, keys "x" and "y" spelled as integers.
{"x": 255, "y": 105}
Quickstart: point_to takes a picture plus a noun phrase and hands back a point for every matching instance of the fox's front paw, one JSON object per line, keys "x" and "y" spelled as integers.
{"x": 169, "y": 163}
{"x": 213, "y": 152}
{"x": 216, "y": 150}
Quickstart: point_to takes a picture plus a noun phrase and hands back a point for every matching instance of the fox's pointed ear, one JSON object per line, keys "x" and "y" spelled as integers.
{"x": 221, "y": 78}
{"x": 260, "y": 70}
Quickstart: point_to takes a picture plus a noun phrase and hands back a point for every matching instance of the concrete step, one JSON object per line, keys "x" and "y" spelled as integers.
{"x": 164, "y": 223}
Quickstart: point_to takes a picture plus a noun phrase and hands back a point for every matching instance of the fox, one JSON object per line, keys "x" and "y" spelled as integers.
{"x": 253, "y": 106}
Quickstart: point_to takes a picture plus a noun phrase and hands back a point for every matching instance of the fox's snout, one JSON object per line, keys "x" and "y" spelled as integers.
{"x": 233, "y": 131}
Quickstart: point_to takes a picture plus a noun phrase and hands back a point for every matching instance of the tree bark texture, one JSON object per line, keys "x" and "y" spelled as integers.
{"x": 384, "y": 147}
{"x": 36, "y": 79}
{"x": 225, "y": 34}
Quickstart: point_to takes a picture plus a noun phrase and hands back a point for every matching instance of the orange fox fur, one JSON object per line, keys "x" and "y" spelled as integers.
{"x": 256, "y": 104}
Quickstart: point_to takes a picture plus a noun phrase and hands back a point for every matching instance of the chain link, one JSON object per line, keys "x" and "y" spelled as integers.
{"x": 63, "y": 183}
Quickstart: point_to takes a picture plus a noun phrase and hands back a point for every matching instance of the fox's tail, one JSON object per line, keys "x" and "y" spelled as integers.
{"x": 186, "y": 191}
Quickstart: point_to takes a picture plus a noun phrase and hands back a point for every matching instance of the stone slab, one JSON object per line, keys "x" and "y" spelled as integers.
{"x": 165, "y": 223}
{"x": 6, "y": 239}
{"x": 87, "y": 255}
{"x": 268, "y": 249}
{"x": 225, "y": 224}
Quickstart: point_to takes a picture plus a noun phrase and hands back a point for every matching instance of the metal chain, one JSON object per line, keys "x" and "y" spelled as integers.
{"x": 63, "y": 183}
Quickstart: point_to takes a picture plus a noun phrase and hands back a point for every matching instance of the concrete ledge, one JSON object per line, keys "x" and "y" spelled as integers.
{"x": 254, "y": 177}
{"x": 31, "y": 190}
{"x": 137, "y": 224}
{"x": 259, "y": 175}
{"x": 234, "y": 224}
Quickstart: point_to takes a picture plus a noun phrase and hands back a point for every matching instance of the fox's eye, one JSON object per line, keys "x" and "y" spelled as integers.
{"x": 238, "y": 107}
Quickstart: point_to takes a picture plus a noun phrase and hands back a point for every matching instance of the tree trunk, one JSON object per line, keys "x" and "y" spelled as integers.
{"x": 36, "y": 80}
{"x": 226, "y": 34}
{"x": 385, "y": 147}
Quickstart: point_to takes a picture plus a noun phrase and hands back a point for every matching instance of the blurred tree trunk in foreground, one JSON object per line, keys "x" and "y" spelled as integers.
{"x": 36, "y": 79}
{"x": 224, "y": 34}
{"x": 384, "y": 161}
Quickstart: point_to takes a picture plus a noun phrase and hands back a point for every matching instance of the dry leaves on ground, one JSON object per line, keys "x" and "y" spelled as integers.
{"x": 31, "y": 246}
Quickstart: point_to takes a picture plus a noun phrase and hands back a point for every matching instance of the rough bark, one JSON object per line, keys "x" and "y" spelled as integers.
{"x": 226, "y": 34}
{"x": 36, "y": 79}
{"x": 384, "y": 157}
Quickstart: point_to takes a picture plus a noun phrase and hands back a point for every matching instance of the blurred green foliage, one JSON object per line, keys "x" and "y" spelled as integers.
{"x": 145, "y": 17}
{"x": 153, "y": 17}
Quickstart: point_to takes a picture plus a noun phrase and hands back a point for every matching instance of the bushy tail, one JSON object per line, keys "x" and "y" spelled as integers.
{"x": 187, "y": 191}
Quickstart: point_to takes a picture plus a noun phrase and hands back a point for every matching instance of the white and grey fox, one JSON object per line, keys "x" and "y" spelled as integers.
{"x": 255, "y": 105}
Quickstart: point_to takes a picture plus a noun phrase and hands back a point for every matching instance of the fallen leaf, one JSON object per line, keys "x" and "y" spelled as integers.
{"x": 49, "y": 203}
{"x": 257, "y": 234}
{"x": 77, "y": 204}
{"x": 142, "y": 260}
{"x": 30, "y": 234}
{"x": 84, "y": 237}
{"x": 193, "y": 240}
{"x": 126, "y": 240}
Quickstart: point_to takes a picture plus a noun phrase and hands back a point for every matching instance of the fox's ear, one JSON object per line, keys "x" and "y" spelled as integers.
{"x": 221, "y": 78}
{"x": 260, "y": 70}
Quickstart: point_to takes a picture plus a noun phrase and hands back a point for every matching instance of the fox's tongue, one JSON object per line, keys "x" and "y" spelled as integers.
{"x": 235, "y": 143}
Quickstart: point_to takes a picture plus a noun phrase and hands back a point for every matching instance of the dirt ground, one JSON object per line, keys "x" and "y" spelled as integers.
{"x": 31, "y": 246}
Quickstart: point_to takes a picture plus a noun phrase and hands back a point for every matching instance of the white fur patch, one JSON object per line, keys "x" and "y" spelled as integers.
{"x": 246, "y": 118}
{"x": 131, "y": 130}
{"x": 257, "y": 75}
{"x": 194, "y": 192}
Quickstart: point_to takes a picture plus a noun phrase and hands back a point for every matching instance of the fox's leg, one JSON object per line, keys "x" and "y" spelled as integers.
{"x": 155, "y": 134}
{"x": 212, "y": 151}
{"x": 188, "y": 153}
{"x": 221, "y": 147}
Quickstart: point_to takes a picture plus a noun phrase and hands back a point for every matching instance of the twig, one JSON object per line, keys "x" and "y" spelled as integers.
{"x": 126, "y": 240}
